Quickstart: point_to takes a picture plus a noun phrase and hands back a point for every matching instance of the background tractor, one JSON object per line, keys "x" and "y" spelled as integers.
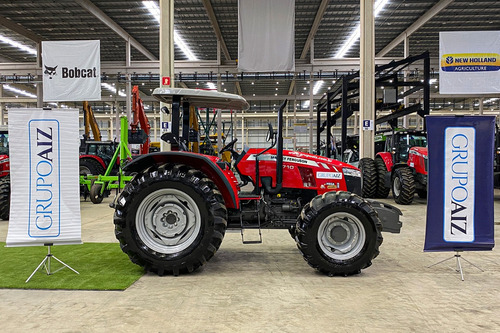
{"x": 4, "y": 174}
{"x": 401, "y": 167}
{"x": 171, "y": 218}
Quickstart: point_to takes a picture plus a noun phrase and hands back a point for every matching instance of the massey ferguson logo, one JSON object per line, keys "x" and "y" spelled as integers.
{"x": 72, "y": 73}
{"x": 50, "y": 71}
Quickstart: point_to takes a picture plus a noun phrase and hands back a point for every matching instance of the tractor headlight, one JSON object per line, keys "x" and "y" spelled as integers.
{"x": 351, "y": 172}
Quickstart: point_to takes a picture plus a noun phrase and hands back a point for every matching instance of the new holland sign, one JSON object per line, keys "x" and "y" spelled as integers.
{"x": 460, "y": 200}
{"x": 45, "y": 203}
{"x": 71, "y": 71}
{"x": 469, "y": 62}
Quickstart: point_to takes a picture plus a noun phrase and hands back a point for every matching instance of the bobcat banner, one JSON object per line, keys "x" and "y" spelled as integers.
{"x": 71, "y": 70}
{"x": 460, "y": 195}
{"x": 45, "y": 200}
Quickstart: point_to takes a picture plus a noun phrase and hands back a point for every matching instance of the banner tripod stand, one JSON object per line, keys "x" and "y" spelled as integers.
{"x": 459, "y": 264}
{"x": 46, "y": 264}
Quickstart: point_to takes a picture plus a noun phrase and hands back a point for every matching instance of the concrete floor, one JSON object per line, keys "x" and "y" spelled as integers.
{"x": 270, "y": 288}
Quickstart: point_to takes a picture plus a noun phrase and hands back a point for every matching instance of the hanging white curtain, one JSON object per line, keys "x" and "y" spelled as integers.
{"x": 266, "y": 35}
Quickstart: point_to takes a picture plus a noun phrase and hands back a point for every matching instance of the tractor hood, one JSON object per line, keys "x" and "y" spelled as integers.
{"x": 315, "y": 158}
{"x": 420, "y": 150}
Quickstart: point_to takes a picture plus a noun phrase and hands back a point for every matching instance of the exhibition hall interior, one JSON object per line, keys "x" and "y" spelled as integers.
{"x": 249, "y": 165}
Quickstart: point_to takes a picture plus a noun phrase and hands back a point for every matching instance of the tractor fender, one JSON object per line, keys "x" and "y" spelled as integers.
{"x": 387, "y": 158}
{"x": 205, "y": 164}
{"x": 97, "y": 158}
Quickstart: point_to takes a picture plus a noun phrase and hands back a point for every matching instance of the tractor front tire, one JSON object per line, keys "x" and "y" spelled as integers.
{"x": 369, "y": 174}
{"x": 339, "y": 233}
{"x": 403, "y": 186}
{"x": 382, "y": 190}
{"x": 170, "y": 219}
{"x": 5, "y": 197}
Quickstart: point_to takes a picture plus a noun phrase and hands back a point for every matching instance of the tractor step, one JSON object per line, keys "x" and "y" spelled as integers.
{"x": 245, "y": 224}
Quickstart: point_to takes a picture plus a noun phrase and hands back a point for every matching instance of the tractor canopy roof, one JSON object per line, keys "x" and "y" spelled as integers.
{"x": 202, "y": 98}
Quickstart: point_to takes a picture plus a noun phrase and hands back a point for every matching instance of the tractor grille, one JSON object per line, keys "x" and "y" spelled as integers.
{"x": 353, "y": 184}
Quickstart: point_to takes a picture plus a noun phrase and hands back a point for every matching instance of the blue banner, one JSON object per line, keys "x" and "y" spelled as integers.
{"x": 460, "y": 183}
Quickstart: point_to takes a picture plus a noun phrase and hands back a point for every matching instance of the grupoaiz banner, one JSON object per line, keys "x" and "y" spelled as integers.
{"x": 45, "y": 201}
{"x": 469, "y": 62}
{"x": 71, "y": 70}
{"x": 460, "y": 195}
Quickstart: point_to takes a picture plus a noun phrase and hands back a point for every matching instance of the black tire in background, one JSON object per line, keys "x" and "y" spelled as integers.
{"x": 369, "y": 175}
{"x": 4, "y": 197}
{"x": 339, "y": 233}
{"x": 170, "y": 219}
{"x": 422, "y": 193}
{"x": 89, "y": 166}
{"x": 403, "y": 186}
{"x": 382, "y": 190}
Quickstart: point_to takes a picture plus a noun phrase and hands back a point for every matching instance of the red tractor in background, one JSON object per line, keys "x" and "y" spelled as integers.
{"x": 4, "y": 173}
{"x": 171, "y": 218}
{"x": 401, "y": 167}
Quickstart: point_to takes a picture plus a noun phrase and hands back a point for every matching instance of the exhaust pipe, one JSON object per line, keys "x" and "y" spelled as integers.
{"x": 279, "y": 155}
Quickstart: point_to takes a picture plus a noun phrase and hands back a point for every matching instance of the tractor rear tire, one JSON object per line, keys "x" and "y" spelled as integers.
{"x": 170, "y": 219}
{"x": 403, "y": 186}
{"x": 89, "y": 166}
{"x": 369, "y": 174}
{"x": 382, "y": 190}
{"x": 339, "y": 233}
{"x": 5, "y": 197}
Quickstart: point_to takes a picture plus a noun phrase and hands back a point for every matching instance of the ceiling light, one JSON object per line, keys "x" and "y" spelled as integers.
{"x": 113, "y": 89}
{"x": 18, "y": 91}
{"x": 377, "y": 7}
{"x": 154, "y": 10}
{"x": 317, "y": 87}
{"x": 18, "y": 45}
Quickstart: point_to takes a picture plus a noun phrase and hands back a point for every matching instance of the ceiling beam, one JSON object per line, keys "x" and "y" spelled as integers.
{"x": 218, "y": 34}
{"x": 215, "y": 25}
{"x": 99, "y": 14}
{"x": 436, "y": 9}
{"x": 314, "y": 28}
{"x": 18, "y": 28}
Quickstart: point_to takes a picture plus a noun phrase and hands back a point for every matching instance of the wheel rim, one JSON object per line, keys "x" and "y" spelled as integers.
{"x": 168, "y": 221}
{"x": 397, "y": 186}
{"x": 341, "y": 236}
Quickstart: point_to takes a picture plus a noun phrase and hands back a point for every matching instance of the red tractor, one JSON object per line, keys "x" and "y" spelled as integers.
{"x": 402, "y": 167}
{"x": 171, "y": 218}
{"x": 4, "y": 174}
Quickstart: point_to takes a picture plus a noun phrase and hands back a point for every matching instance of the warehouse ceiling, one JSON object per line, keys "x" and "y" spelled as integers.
{"x": 329, "y": 23}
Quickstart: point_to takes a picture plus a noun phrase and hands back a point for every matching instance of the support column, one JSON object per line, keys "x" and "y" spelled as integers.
{"x": 367, "y": 78}
{"x": 406, "y": 100}
{"x": 311, "y": 113}
{"x": 2, "y": 106}
{"x": 39, "y": 86}
{"x": 166, "y": 53}
{"x": 128, "y": 84}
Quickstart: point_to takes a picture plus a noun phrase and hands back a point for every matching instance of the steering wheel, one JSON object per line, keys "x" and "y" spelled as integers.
{"x": 229, "y": 146}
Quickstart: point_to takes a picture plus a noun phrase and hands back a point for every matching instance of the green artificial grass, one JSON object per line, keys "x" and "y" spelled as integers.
{"x": 102, "y": 266}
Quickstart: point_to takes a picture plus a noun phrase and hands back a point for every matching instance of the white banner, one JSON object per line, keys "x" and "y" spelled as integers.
{"x": 71, "y": 71}
{"x": 266, "y": 35}
{"x": 469, "y": 62}
{"x": 44, "y": 172}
